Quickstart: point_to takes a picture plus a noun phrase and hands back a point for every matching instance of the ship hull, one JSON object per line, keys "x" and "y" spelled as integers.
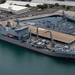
{"x": 29, "y": 47}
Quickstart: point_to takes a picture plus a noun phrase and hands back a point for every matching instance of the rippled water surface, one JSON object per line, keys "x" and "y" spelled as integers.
{"x": 15, "y": 60}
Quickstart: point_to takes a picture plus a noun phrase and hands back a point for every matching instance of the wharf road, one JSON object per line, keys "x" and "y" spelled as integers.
{"x": 59, "y": 12}
{"x": 40, "y": 16}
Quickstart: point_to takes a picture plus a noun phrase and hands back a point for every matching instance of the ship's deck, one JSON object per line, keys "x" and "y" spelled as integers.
{"x": 45, "y": 33}
{"x": 56, "y": 35}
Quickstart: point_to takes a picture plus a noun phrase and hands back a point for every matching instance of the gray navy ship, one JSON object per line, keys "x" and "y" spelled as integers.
{"x": 22, "y": 36}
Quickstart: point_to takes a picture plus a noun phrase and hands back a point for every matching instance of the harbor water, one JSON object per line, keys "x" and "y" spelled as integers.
{"x": 15, "y": 60}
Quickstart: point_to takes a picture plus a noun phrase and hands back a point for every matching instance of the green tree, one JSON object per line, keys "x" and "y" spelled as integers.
{"x": 2, "y": 1}
{"x": 42, "y": 7}
{"x": 38, "y": 6}
{"x": 45, "y": 6}
{"x": 51, "y": 5}
{"x": 56, "y": 4}
{"x": 67, "y": 7}
{"x": 64, "y": 6}
{"x": 27, "y": 5}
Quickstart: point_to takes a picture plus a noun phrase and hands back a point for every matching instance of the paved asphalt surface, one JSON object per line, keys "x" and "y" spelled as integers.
{"x": 6, "y": 15}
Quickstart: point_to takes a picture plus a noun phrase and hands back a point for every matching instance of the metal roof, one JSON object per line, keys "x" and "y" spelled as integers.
{"x": 12, "y": 7}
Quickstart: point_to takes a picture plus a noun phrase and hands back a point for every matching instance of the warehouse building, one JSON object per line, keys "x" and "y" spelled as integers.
{"x": 14, "y": 8}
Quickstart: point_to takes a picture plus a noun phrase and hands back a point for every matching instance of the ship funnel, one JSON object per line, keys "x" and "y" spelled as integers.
{"x": 51, "y": 36}
{"x": 37, "y": 33}
{"x": 69, "y": 45}
{"x": 18, "y": 22}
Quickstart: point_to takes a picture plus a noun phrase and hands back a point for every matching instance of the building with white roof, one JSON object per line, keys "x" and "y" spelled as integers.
{"x": 13, "y": 8}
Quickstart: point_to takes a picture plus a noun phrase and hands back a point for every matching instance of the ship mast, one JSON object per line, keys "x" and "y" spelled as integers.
{"x": 63, "y": 15}
{"x": 51, "y": 37}
{"x": 69, "y": 45}
{"x": 30, "y": 35}
{"x": 37, "y": 33}
{"x": 18, "y": 22}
